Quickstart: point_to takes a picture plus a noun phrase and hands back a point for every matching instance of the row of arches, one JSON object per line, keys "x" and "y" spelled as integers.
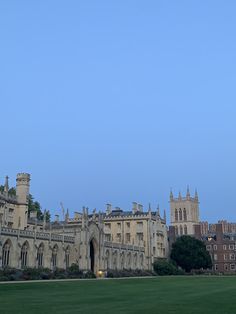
{"x": 181, "y": 230}
{"x": 39, "y": 255}
{"x": 180, "y": 215}
{"x": 114, "y": 259}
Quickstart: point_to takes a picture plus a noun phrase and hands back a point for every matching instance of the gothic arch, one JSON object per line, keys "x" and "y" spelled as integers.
{"x": 24, "y": 255}
{"x": 180, "y": 214}
{"x": 40, "y": 255}
{"x": 6, "y": 253}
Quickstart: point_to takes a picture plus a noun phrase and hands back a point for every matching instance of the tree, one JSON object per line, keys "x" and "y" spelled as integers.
{"x": 35, "y": 206}
{"x": 190, "y": 253}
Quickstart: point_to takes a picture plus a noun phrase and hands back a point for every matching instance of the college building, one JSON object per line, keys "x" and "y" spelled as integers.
{"x": 114, "y": 239}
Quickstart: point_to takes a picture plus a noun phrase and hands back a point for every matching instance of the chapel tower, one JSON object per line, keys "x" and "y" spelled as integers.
{"x": 184, "y": 213}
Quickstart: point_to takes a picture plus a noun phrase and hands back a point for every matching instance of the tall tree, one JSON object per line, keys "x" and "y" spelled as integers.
{"x": 190, "y": 253}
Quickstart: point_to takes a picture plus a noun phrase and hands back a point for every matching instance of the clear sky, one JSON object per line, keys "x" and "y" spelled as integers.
{"x": 118, "y": 101}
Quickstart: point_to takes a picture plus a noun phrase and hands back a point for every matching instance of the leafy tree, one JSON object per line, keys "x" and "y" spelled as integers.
{"x": 190, "y": 253}
{"x": 35, "y": 206}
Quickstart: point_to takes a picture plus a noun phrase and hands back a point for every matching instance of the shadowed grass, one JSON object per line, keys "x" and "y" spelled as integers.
{"x": 175, "y": 295}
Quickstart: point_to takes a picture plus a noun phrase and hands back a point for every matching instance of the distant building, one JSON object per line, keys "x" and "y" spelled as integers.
{"x": 184, "y": 213}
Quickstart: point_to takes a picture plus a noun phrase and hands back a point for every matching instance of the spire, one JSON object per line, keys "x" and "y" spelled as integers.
{"x": 196, "y": 195}
{"x": 171, "y": 195}
{"x": 165, "y": 215}
{"x": 149, "y": 207}
{"x": 6, "y": 185}
{"x": 188, "y": 193}
{"x": 158, "y": 210}
{"x": 180, "y": 197}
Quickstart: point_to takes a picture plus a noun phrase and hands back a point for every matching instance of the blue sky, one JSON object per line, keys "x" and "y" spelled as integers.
{"x": 118, "y": 101}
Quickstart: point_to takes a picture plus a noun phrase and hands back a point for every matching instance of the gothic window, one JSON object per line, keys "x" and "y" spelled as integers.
{"x": 6, "y": 254}
{"x": 185, "y": 229}
{"x": 176, "y": 215}
{"x": 115, "y": 260}
{"x": 141, "y": 261}
{"x": 40, "y": 256}
{"x": 129, "y": 260}
{"x": 24, "y": 255}
{"x": 135, "y": 260}
{"x": 67, "y": 257}
{"x": 122, "y": 260}
{"x": 180, "y": 214}
{"x": 185, "y": 215}
{"x": 107, "y": 259}
{"x": 176, "y": 231}
{"x": 181, "y": 230}
{"x": 54, "y": 256}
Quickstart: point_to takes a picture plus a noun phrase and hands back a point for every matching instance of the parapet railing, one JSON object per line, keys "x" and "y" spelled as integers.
{"x": 37, "y": 235}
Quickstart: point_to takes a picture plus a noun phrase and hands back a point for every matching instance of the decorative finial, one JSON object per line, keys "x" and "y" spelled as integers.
{"x": 180, "y": 197}
{"x": 165, "y": 215}
{"x": 149, "y": 207}
{"x": 188, "y": 193}
{"x": 6, "y": 186}
{"x": 196, "y": 195}
{"x": 158, "y": 210}
{"x": 171, "y": 195}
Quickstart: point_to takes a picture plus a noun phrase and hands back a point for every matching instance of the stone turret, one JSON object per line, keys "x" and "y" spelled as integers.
{"x": 22, "y": 188}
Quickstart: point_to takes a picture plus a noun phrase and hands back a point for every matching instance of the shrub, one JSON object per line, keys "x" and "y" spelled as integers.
{"x": 165, "y": 268}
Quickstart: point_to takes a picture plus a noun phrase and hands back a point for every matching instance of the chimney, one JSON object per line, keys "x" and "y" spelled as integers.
{"x": 135, "y": 207}
{"x": 109, "y": 209}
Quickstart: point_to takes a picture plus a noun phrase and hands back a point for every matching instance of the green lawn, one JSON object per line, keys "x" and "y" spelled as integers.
{"x": 182, "y": 295}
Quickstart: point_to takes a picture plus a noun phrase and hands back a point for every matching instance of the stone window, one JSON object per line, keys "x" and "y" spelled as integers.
{"x": 67, "y": 257}
{"x": 185, "y": 214}
{"x": 185, "y": 229}
{"x": 108, "y": 237}
{"x": 140, "y": 236}
{"x": 24, "y": 255}
{"x": 40, "y": 256}
{"x": 181, "y": 230}
{"x": 231, "y": 247}
{"x": 176, "y": 214}
{"x": 208, "y": 247}
{"x": 127, "y": 237}
{"x": 226, "y": 267}
{"x": 215, "y": 247}
{"x": 215, "y": 257}
{"x": 224, "y": 247}
{"x": 225, "y": 257}
{"x": 54, "y": 256}
{"x": 232, "y": 266}
{"x": 180, "y": 214}
{"x": 6, "y": 254}
{"x": 128, "y": 224}
{"x": 216, "y": 266}
{"x": 232, "y": 257}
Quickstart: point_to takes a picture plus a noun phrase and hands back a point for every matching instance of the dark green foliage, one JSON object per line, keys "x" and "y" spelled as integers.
{"x": 35, "y": 206}
{"x": 113, "y": 273}
{"x": 165, "y": 268}
{"x": 190, "y": 253}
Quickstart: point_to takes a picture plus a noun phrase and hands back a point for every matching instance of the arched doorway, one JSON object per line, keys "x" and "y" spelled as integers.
{"x": 92, "y": 256}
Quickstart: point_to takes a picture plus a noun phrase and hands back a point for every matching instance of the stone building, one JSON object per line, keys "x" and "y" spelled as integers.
{"x": 184, "y": 213}
{"x": 84, "y": 239}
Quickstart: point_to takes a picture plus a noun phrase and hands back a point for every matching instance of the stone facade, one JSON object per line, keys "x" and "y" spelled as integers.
{"x": 184, "y": 213}
{"x": 84, "y": 239}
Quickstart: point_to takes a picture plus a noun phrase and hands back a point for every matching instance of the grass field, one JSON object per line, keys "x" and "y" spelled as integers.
{"x": 182, "y": 295}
